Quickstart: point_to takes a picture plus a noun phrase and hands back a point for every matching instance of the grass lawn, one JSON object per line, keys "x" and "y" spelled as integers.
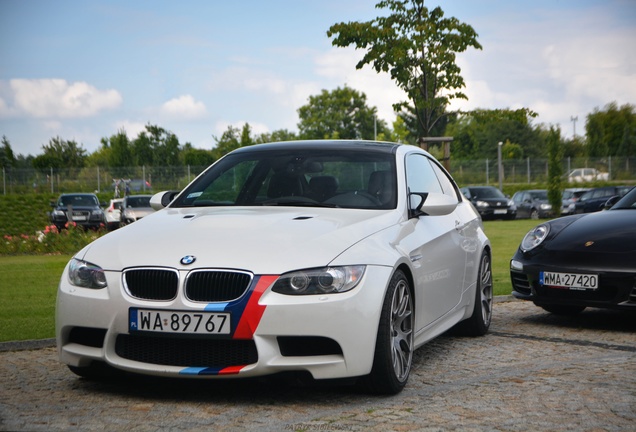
{"x": 28, "y": 287}
{"x": 505, "y": 237}
{"x": 28, "y": 284}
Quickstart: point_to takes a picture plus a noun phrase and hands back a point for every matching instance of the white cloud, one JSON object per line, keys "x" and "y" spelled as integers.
{"x": 56, "y": 98}
{"x": 184, "y": 107}
{"x": 132, "y": 129}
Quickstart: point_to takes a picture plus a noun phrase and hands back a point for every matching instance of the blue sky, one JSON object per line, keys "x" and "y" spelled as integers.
{"x": 82, "y": 70}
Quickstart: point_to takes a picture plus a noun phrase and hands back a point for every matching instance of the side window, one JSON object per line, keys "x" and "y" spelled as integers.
{"x": 420, "y": 176}
{"x": 448, "y": 187}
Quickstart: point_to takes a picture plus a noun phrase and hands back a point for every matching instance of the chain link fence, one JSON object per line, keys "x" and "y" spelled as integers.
{"x": 154, "y": 179}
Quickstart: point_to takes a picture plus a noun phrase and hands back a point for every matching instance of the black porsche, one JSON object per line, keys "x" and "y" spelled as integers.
{"x": 586, "y": 260}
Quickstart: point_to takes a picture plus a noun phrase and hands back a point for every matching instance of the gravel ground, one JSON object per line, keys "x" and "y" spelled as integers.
{"x": 533, "y": 371}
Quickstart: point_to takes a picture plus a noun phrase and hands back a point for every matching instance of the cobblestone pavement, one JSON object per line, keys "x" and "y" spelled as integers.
{"x": 533, "y": 371}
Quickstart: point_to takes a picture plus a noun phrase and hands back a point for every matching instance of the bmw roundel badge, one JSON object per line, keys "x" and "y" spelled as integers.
{"x": 188, "y": 259}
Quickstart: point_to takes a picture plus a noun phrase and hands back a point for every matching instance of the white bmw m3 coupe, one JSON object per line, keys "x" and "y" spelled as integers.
{"x": 336, "y": 258}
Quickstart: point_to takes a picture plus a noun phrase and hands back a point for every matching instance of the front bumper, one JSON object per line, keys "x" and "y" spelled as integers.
{"x": 329, "y": 336}
{"x": 617, "y": 289}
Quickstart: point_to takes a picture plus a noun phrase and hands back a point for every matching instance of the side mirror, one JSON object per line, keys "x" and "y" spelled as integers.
{"x": 162, "y": 199}
{"x": 431, "y": 204}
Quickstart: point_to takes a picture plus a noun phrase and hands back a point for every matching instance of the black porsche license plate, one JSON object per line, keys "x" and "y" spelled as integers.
{"x": 573, "y": 281}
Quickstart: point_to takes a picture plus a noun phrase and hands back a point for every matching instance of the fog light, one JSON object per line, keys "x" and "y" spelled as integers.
{"x": 516, "y": 265}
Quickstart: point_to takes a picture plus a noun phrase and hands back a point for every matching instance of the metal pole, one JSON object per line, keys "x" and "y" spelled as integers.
{"x": 98, "y": 185}
{"x": 4, "y": 180}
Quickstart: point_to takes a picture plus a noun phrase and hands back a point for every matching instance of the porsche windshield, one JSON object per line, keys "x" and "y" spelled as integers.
{"x": 305, "y": 177}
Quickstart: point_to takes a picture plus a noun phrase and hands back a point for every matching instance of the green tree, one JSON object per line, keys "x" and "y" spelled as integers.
{"x": 476, "y": 133}
{"x": 195, "y": 156}
{"x": 7, "y": 158}
{"x": 232, "y": 139}
{"x": 59, "y": 153}
{"x": 121, "y": 150}
{"x": 555, "y": 170}
{"x": 156, "y": 147}
{"x": 418, "y": 48}
{"x": 341, "y": 113}
{"x": 276, "y": 136}
{"x": 611, "y": 132}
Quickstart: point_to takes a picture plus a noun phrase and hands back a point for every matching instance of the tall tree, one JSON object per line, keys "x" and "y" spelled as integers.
{"x": 418, "y": 48}
{"x": 59, "y": 153}
{"x": 555, "y": 170}
{"x": 156, "y": 147}
{"x": 7, "y": 158}
{"x": 341, "y": 113}
{"x": 611, "y": 131}
{"x": 121, "y": 150}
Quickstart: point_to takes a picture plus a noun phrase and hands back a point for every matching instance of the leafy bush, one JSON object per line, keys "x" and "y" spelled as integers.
{"x": 49, "y": 241}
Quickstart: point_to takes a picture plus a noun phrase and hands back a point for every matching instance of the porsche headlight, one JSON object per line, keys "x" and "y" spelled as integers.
{"x": 320, "y": 281}
{"x": 535, "y": 237}
{"x": 86, "y": 275}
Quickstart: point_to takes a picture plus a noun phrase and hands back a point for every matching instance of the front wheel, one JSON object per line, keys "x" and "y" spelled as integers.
{"x": 479, "y": 323}
{"x": 394, "y": 345}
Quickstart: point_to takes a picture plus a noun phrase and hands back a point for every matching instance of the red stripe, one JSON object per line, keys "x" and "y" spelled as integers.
{"x": 230, "y": 370}
{"x": 253, "y": 311}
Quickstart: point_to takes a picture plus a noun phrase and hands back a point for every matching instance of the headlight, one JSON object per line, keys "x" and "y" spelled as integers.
{"x": 320, "y": 281}
{"x": 58, "y": 213}
{"x": 546, "y": 206}
{"x": 481, "y": 204}
{"x": 85, "y": 274}
{"x": 535, "y": 237}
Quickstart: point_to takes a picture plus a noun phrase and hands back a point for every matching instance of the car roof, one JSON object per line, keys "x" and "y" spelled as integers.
{"x": 379, "y": 146}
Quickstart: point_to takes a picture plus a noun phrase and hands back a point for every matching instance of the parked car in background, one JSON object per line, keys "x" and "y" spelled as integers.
{"x": 594, "y": 200}
{"x": 84, "y": 209}
{"x": 569, "y": 198}
{"x": 583, "y": 175}
{"x": 532, "y": 204}
{"x": 331, "y": 258}
{"x": 587, "y": 260}
{"x": 113, "y": 213}
{"x": 135, "y": 207}
{"x": 490, "y": 202}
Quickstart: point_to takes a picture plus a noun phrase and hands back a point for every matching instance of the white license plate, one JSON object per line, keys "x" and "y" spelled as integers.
{"x": 79, "y": 218}
{"x": 501, "y": 211}
{"x": 574, "y": 281}
{"x": 166, "y": 321}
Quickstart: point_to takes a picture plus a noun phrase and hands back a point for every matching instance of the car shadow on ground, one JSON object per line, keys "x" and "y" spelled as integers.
{"x": 622, "y": 321}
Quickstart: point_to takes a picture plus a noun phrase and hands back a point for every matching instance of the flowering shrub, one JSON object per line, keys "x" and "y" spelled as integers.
{"x": 50, "y": 241}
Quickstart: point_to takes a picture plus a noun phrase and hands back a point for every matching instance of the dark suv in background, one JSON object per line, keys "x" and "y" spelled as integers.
{"x": 82, "y": 208}
{"x": 490, "y": 202}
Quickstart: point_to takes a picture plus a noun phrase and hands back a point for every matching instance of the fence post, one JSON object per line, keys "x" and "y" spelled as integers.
{"x": 528, "y": 168}
{"x": 98, "y": 183}
{"x": 609, "y": 168}
{"x": 51, "y": 179}
{"x": 487, "y": 173}
{"x": 4, "y": 180}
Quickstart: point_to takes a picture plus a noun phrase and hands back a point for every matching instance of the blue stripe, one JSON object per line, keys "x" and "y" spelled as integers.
{"x": 216, "y": 307}
{"x": 200, "y": 371}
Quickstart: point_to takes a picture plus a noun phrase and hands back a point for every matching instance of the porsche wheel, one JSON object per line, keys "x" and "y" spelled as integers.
{"x": 394, "y": 346}
{"x": 479, "y": 323}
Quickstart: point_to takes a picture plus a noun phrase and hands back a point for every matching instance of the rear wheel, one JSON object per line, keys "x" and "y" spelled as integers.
{"x": 479, "y": 323}
{"x": 394, "y": 345}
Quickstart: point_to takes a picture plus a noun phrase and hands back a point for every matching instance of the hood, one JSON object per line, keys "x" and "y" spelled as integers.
{"x": 611, "y": 232}
{"x": 263, "y": 240}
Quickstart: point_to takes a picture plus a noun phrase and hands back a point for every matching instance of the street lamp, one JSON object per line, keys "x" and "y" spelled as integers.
{"x": 500, "y": 166}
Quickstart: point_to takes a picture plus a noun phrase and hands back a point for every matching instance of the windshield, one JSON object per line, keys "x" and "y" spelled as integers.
{"x": 627, "y": 202}
{"x": 486, "y": 193}
{"x": 300, "y": 177}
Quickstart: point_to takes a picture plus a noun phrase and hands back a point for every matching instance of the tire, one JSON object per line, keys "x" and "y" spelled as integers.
{"x": 479, "y": 322}
{"x": 393, "y": 356}
{"x": 534, "y": 214}
{"x": 563, "y": 310}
